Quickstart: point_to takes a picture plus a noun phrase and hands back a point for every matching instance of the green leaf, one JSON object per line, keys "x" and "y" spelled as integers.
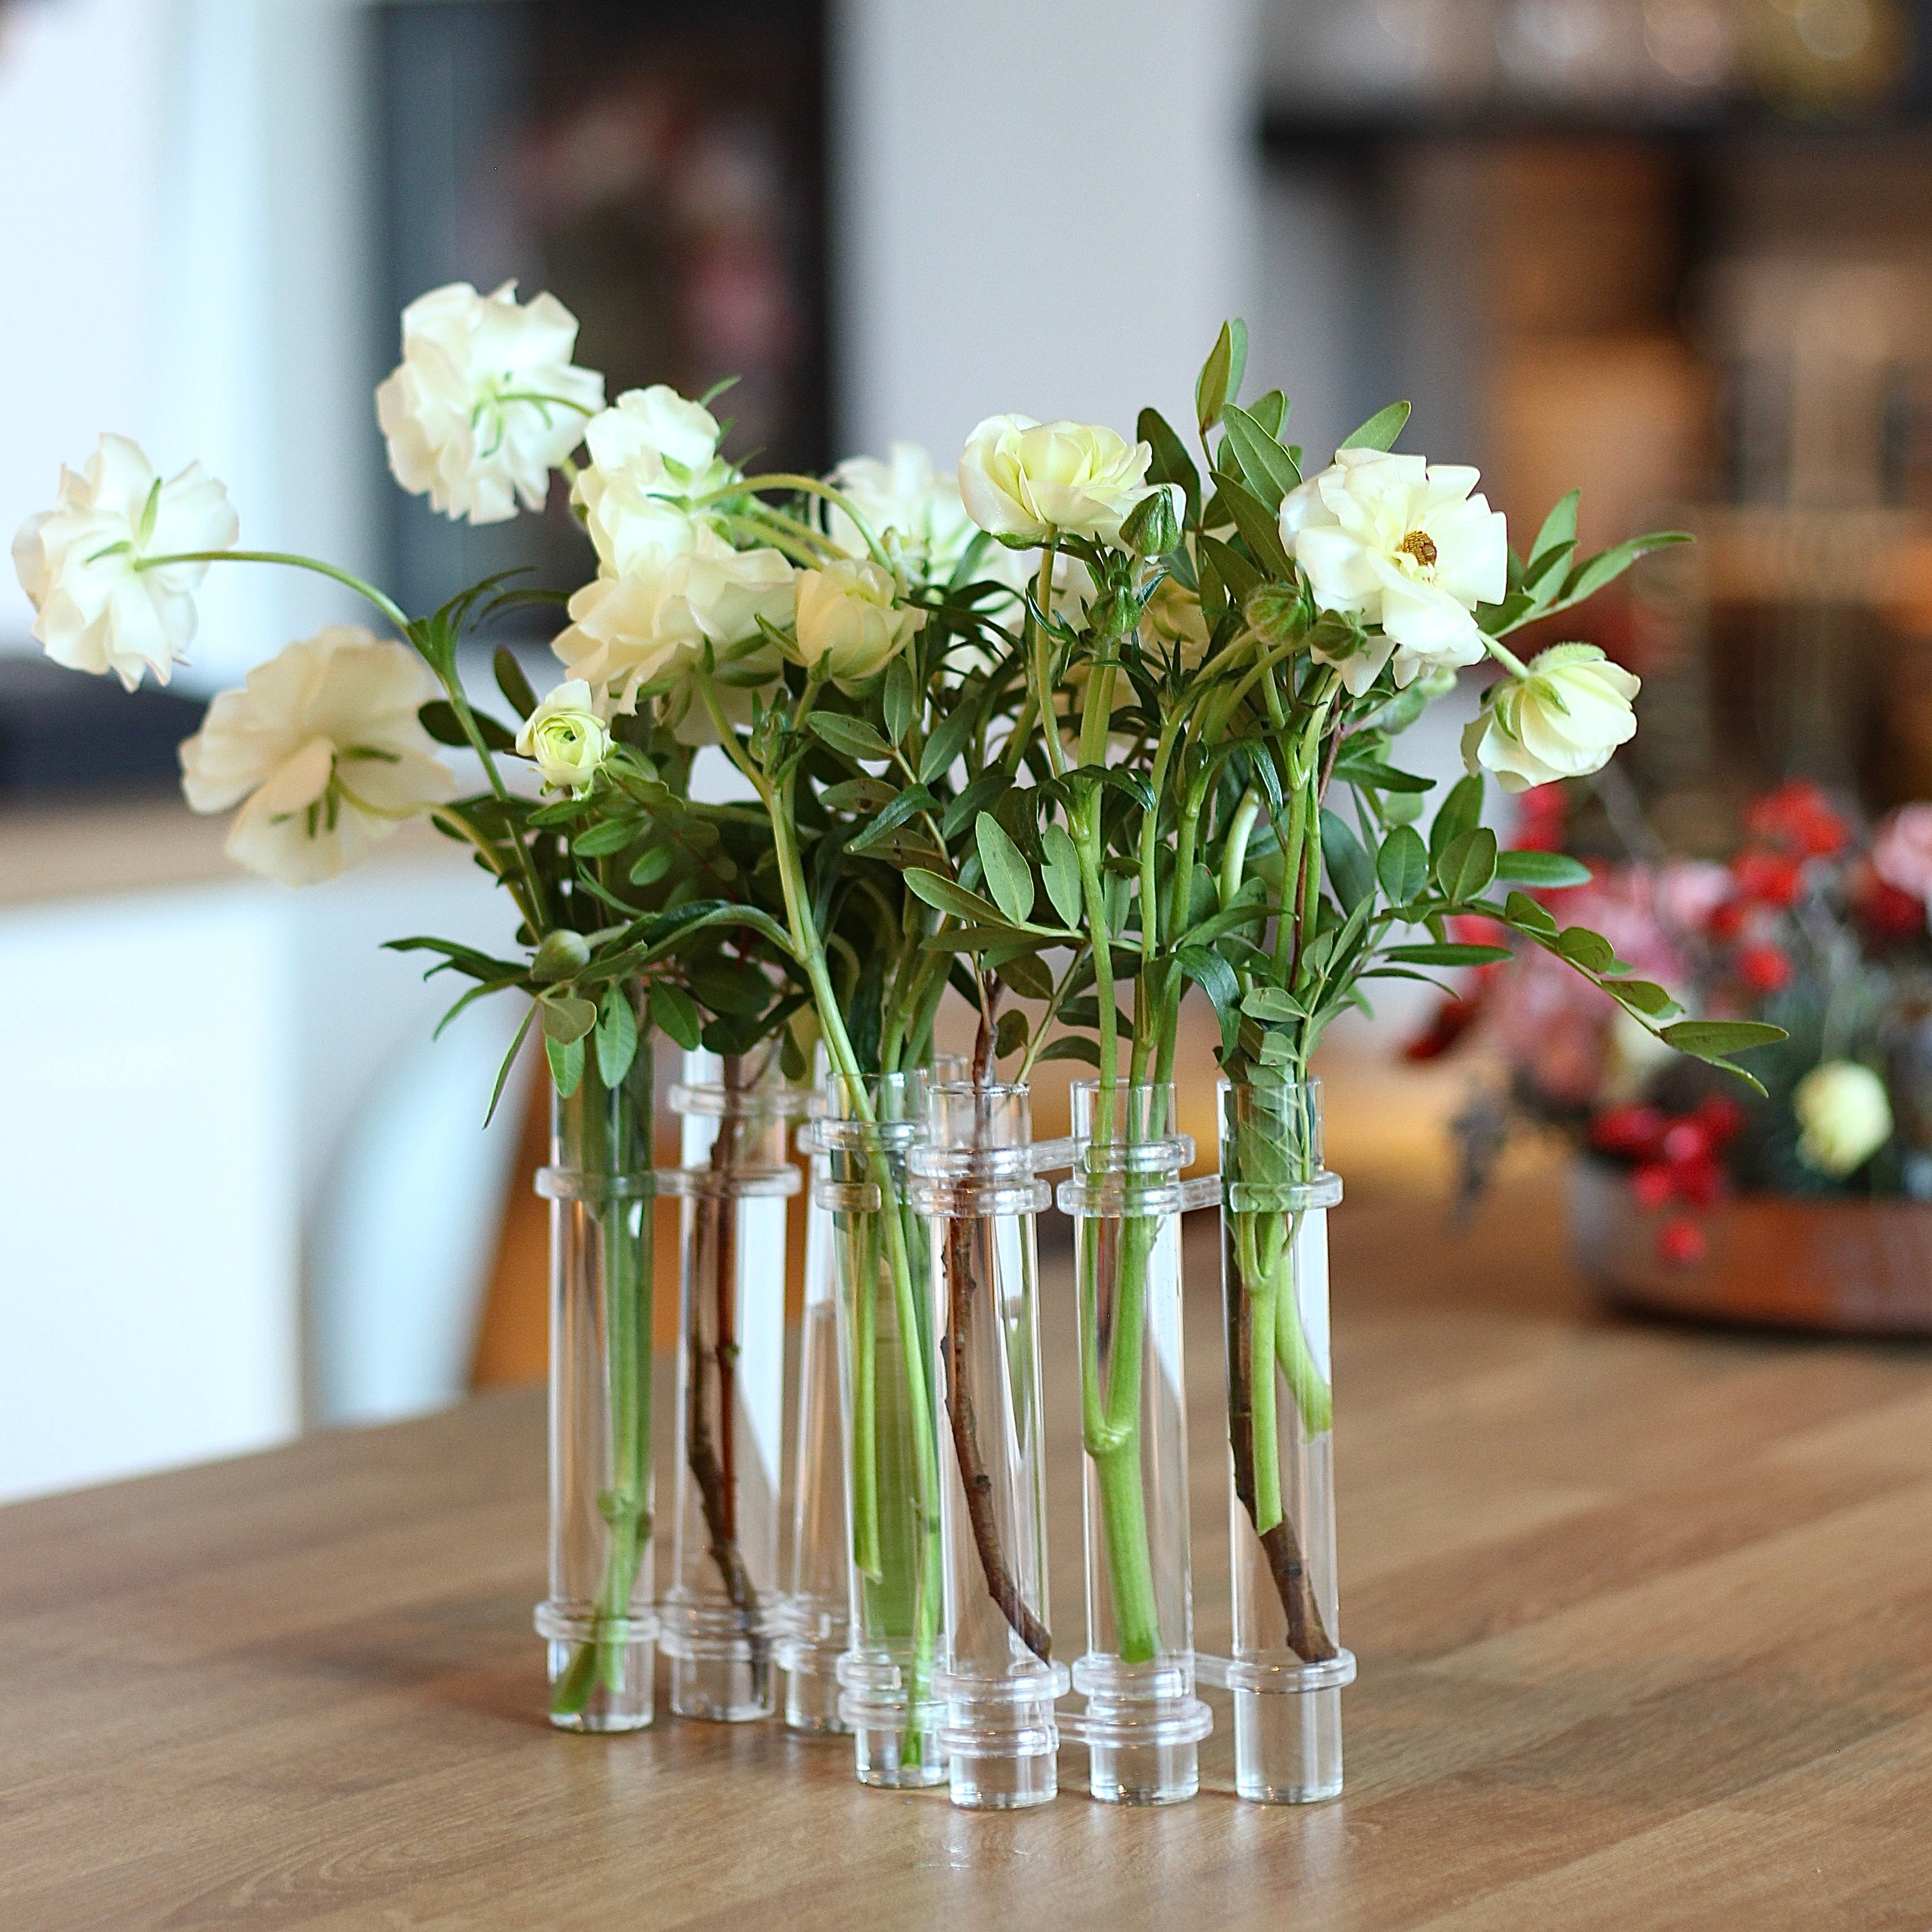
{"x": 676, "y": 1013}
{"x": 852, "y": 737}
{"x": 1588, "y": 578}
{"x": 1216, "y": 978}
{"x": 1023, "y": 973}
{"x": 1372, "y": 774}
{"x": 982, "y": 794}
{"x": 1381, "y": 430}
{"x": 1010, "y": 1035}
{"x": 1350, "y": 868}
{"x": 1257, "y": 525}
{"x": 1541, "y": 868}
{"x": 1009, "y": 877}
{"x": 440, "y": 721}
{"x": 1059, "y": 867}
{"x": 566, "y": 1064}
{"x": 899, "y": 700}
{"x": 509, "y": 1060}
{"x": 1403, "y": 865}
{"x": 943, "y": 748}
{"x": 864, "y": 794}
{"x": 1171, "y": 463}
{"x": 1448, "y": 953}
{"x": 1590, "y": 950}
{"x": 1559, "y": 528}
{"x": 1270, "y": 469}
{"x": 617, "y": 1036}
{"x": 566, "y": 1018}
{"x": 1705, "y": 1038}
{"x": 1234, "y": 570}
{"x": 1270, "y": 1003}
{"x": 512, "y": 683}
{"x": 1522, "y": 911}
{"x": 1467, "y": 866}
{"x": 649, "y": 867}
{"x": 1070, "y": 1046}
{"x": 902, "y": 806}
{"x": 610, "y": 835}
{"x": 1645, "y": 996}
{"x": 1457, "y": 814}
{"x": 956, "y": 899}
{"x": 1221, "y": 374}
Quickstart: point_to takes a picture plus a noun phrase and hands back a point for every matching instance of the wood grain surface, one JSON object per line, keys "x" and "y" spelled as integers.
{"x": 1644, "y": 1617}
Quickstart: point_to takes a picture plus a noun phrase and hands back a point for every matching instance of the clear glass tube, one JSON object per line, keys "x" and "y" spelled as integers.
{"x": 975, "y": 1182}
{"x": 720, "y": 1619}
{"x": 1142, "y": 1724}
{"x": 1288, "y": 1668}
{"x": 885, "y": 1348}
{"x": 819, "y": 1600}
{"x": 597, "y": 1618}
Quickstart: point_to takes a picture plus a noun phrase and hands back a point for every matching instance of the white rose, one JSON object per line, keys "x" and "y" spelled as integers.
{"x": 914, "y": 514}
{"x": 485, "y": 402}
{"x": 325, "y": 744}
{"x": 846, "y": 615}
{"x": 1845, "y": 1115}
{"x": 78, "y": 562}
{"x": 1563, "y": 721}
{"x": 565, "y": 738}
{"x": 648, "y": 627}
{"x": 652, "y": 447}
{"x": 1401, "y": 543}
{"x": 1021, "y": 478}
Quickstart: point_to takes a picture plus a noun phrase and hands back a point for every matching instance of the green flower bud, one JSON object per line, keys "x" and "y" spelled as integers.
{"x": 1153, "y": 527}
{"x": 561, "y": 954}
{"x": 1275, "y": 612}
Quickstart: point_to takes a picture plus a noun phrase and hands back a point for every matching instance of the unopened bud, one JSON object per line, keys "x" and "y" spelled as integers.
{"x": 561, "y": 954}
{"x": 1113, "y": 613}
{"x": 1153, "y": 527}
{"x": 1275, "y": 612}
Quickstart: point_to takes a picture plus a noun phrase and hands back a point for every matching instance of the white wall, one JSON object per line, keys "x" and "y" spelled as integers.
{"x": 1047, "y": 208}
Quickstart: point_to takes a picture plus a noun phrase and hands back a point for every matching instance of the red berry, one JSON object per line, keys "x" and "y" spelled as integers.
{"x": 1700, "y": 1182}
{"x": 1685, "y": 1142}
{"x": 1632, "y": 1133}
{"x": 1653, "y": 1185}
{"x": 1767, "y": 876}
{"x": 1681, "y": 1243}
{"x": 1721, "y": 1117}
{"x": 1727, "y": 920}
{"x": 1763, "y": 969}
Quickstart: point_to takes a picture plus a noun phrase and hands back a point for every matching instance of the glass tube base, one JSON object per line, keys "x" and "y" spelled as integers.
{"x": 1287, "y": 1749}
{"x": 811, "y": 1698}
{"x": 1001, "y": 1740}
{"x": 1142, "y": 1727}
{"x": 600, "y": 1681}
{"x": 895, "y": 1741}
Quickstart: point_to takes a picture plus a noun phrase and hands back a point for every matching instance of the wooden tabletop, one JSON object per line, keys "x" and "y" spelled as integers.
{"x": 1644, "y": 1617}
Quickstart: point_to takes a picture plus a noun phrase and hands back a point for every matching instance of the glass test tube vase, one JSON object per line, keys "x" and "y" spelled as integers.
{"x": 1288, "y": 1668}
{"x": 720, "y": 1618}
{"x": 598, "y": 1619}
{"x": 896, "y": 1606}
{"x": 1142, "y": 1724}
{"x": 976, "y": 1182}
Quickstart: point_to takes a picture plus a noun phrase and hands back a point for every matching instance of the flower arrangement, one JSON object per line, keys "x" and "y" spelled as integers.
{"x": 1814, "y": 926}
{"x": 1085, "y": 720}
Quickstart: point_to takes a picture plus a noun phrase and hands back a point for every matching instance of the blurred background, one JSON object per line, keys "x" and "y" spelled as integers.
{"x": 1678, "y": 251}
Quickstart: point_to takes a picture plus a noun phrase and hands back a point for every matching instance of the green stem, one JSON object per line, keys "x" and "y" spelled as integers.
{"x": 294, "y": 561}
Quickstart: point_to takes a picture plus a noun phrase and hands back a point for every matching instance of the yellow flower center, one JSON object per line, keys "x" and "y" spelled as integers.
{"x": 1421, "y": 545}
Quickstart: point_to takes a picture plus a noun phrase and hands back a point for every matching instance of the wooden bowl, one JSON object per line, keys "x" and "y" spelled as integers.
{"x": 1844, "y": 1267}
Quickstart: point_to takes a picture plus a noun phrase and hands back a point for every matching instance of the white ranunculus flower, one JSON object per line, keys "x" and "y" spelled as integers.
{"x": 565, "y": 737}
{"x": 652, "y": 447}
{"x": 649, "y": 626}
{"x": 847, "y": 616}
{"x": 324, "y": 743}
{"x": 1021, "y": 478}
{"x": 1844, "y": 1115}
{"x": 486, "y": 402}
{"x": 1402, "y": 543}
{"x": 918, "y": 517}
{"x": 97, "y": 611}
{"x": 1563, "y": 721}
